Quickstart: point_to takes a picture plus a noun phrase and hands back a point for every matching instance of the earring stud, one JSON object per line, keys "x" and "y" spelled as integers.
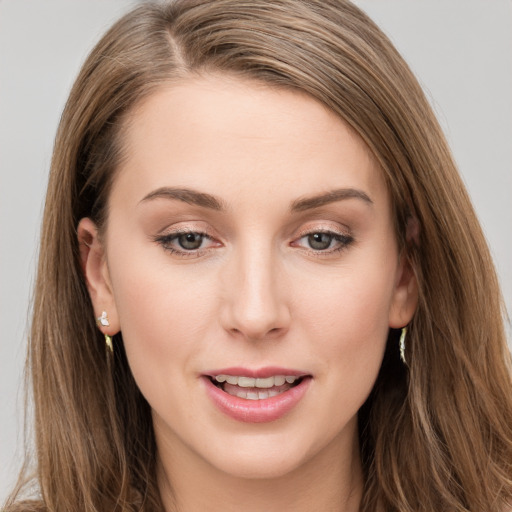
{"x": 103, "y": 320}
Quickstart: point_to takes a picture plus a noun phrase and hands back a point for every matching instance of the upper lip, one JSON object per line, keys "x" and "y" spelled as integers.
{"x": 262, "y": 373}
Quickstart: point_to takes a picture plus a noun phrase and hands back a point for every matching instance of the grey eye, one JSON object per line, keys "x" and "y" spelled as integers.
{"x": 320, "y": 241}
{"x": 190, "y": 241}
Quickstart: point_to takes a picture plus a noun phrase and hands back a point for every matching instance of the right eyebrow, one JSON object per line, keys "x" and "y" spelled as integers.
{"x": 187, "y": 195}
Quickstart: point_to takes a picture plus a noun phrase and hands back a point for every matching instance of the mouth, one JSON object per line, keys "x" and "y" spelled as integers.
{"x": 255, "y": 388}
{"x": 256, "y": 397}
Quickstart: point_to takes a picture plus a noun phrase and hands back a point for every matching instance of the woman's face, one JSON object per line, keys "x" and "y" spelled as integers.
{"x": 251, "y": 265}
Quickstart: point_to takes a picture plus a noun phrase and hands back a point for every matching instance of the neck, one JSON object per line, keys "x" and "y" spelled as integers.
{"x": 331, "y": 481}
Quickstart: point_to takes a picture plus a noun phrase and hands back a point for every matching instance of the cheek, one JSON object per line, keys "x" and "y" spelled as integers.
{"x": 347, "y": 318}
{"x": 352, "y": 305}
{"x": 347, "y": 329}
{"x": 163, "y": 314}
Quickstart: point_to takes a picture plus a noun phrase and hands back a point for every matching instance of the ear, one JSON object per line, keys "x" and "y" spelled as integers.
{"x": 94, "y": 266}
{"x": 405, "y": 295}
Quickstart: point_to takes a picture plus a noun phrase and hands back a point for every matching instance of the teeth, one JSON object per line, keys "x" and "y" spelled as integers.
{"x": 250, "y": 382}
{"x": 265, "y": 383}
{"x": 260, "y": 395}
{"x": 245, "y": 382}
{"x": 279, "y": 380}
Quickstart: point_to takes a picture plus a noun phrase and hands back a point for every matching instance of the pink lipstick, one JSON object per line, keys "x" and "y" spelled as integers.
{"x": 256, "y": 396}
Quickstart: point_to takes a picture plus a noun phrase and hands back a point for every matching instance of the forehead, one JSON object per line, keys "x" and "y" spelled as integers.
{"x": 224, "y": 133}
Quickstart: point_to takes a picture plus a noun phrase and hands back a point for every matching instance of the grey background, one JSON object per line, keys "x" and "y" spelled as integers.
{"x": 461, "y": 50}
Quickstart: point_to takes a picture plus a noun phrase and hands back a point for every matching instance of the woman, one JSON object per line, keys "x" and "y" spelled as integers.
{"x": 261, "y": 281}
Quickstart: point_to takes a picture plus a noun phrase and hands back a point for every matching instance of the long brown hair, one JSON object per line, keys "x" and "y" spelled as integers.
{"x": 435, "y": 435}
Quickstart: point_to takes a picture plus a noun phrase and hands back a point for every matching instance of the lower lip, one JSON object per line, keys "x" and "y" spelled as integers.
{"x": 257, "y": 411}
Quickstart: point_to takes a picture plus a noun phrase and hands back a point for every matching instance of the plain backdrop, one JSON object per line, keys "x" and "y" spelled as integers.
{"x": 461, "y": 51}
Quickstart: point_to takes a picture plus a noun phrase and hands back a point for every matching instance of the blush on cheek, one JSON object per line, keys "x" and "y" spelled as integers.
{"x": 159, "y": 324}
{"x": 351, "y": 326}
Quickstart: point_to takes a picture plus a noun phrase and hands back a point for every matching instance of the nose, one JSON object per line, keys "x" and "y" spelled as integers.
{"x": 255, "y": 305}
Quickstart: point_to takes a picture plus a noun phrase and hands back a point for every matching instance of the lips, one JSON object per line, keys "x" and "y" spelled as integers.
{"x": 252, "y": 388}
{"x": 256, "y": 396}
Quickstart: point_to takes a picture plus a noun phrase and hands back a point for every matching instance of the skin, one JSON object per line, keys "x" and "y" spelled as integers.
{"x": 255, "y": 294}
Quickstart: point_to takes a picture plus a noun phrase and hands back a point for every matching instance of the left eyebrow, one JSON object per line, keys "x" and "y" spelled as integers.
{"x": 308, "y": 203}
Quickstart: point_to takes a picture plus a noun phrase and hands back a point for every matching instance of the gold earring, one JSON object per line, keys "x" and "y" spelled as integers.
{"x": 402, "y": 344}
{"x": 103, "y": 321}
{"x": 108, "y": 343}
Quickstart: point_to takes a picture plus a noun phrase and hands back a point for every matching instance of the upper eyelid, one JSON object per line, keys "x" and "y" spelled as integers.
{"x": 184, "y": 231}
{"x": 334, "y": 234}
{"x": 208, "y": 233}
{"x": 320, "y": 230}
{"x": 306, "y": 228}
{"x": 169, "y": 232}
{"x": 175, "y": 234}
{"x": 324, "y": 229}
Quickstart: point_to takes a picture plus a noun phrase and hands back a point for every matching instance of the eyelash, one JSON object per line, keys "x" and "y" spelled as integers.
{"x": 165, "y": 241}
{"x": 343, "y": 240}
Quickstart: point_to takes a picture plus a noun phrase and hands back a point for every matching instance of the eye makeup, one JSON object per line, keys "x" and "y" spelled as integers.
{"x": 324, "y": 242}
{"x": 190, "y": 243}
{"x": 187, "y": 243}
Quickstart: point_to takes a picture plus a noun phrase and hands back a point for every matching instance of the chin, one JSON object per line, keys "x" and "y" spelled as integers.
{"x": 272, "y": 455}
{"x": 257, "y": 465}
